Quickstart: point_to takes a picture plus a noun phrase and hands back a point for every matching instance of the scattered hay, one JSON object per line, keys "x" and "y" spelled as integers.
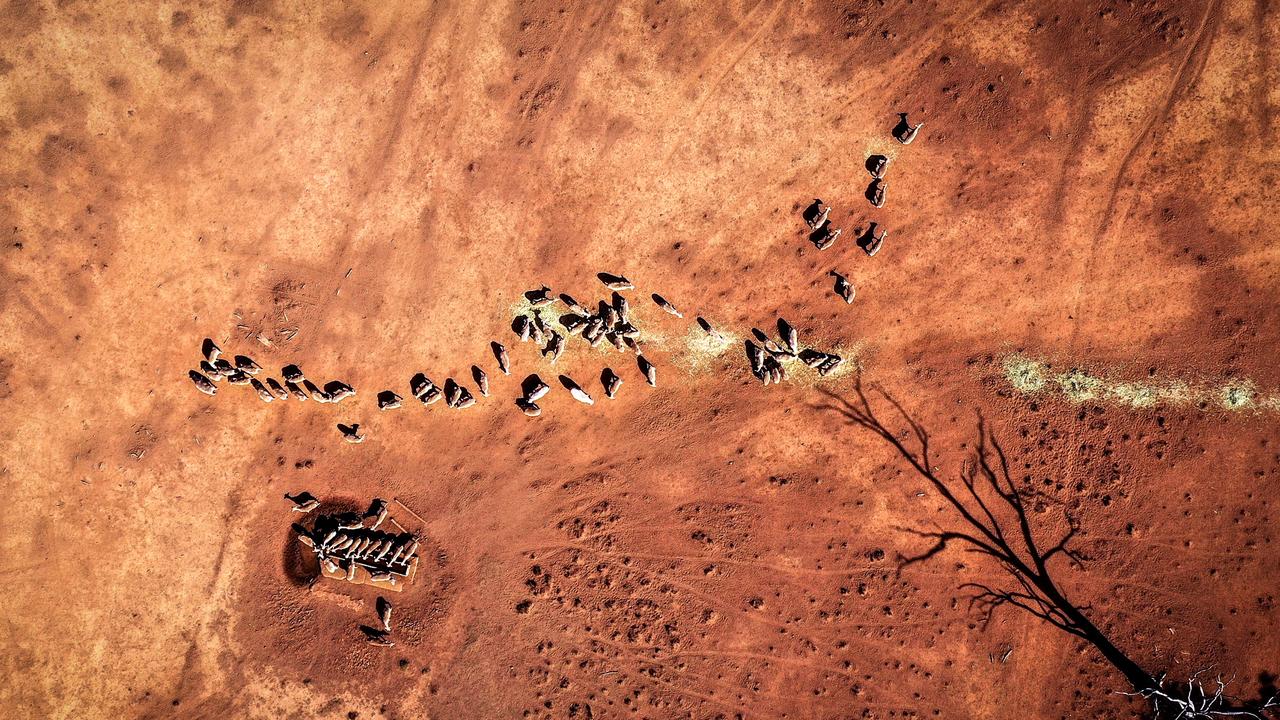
{"x": 1177, "y": 393}
{"x": 696, "y": 351}
{"x": 1237, "y": 395}
{"x": 550, "y": 313}
{"x": 1025, "y": 375}
{"x": 852, "y": 362}
{"x": 1029, "y": 376}
{"x": 1133, "y": 394}
{"x": 1079, "y": 386}
{"x": 703, "y": 350}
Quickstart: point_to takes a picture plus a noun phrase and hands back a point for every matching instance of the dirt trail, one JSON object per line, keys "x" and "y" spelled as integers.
{"x": 368, "y": 189}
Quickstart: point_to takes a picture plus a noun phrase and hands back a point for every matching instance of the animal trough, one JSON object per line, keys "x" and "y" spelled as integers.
{"x": 353, "y": 548}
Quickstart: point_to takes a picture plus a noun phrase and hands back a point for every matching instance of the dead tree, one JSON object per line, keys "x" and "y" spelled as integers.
{"x": 991, "y": 516}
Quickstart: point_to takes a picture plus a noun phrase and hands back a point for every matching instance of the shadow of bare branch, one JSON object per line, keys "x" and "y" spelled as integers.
{"x": 991, "y": 518}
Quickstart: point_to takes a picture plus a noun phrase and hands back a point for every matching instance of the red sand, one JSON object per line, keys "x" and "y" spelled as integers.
{"x": 370, "y": 188}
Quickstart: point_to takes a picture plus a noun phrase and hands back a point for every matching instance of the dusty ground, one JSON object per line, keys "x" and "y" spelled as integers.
{"x": 371, "y": 187}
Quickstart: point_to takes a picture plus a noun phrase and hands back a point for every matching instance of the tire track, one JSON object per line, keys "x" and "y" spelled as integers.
{"x": 1261, "y": 101}
{"x": 687, "y": 122}
{"x": 1181, "y": 82}
{"x": 553, "y": 550}
{"x": 675, "y": 687}
{"x": 719, "y": 49}
{"x": 766, "y": 658}
{"x": 1079, "y": 131}
{"x": 544, "y": 70}
{"x": 715, "y": 84}
{"x": 375, "y": 170}
{"x": 587, "y": 39}
{"x": 1183, "y": 78}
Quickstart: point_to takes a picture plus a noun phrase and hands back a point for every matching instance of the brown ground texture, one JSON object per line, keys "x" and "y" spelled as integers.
{"x": 371, "y": 186}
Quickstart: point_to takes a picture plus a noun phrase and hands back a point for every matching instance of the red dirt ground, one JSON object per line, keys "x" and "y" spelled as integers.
{"x": 370, "y": 186}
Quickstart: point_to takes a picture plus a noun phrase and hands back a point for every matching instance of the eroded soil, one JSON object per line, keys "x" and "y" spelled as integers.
{"x": 370, "y": 187}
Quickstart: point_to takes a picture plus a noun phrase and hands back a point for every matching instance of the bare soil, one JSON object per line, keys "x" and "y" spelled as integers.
{"x": 370, "y": 186}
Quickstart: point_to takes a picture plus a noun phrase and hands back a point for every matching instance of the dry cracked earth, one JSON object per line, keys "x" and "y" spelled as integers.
{"x": 367, "y": 188}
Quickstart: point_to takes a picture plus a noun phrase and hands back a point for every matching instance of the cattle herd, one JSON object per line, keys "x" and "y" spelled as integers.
{"x": 242, "y": 370}
{"x": 550, "y": 321}
{"x": 355, "y": 547}
{"x": 818, "y": 214}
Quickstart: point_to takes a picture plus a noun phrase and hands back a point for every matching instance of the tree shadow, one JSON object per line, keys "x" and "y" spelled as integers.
{"x": 991, "y": 517}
